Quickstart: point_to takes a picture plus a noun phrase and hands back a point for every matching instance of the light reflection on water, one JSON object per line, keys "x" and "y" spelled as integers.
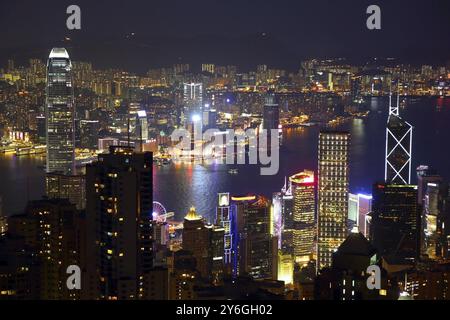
{"x": 180, "y": 186}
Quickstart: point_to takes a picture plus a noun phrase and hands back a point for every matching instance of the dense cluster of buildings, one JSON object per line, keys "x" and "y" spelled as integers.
{"x": 312, "y": 240}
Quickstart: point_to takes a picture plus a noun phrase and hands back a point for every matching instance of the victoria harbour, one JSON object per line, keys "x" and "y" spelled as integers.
{"x": 180, "y": 186}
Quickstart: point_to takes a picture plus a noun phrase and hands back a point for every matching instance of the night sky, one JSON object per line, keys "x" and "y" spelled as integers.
{"x": 279, "y": 33}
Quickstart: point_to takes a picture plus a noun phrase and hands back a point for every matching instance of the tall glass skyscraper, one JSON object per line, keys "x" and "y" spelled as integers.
{"x": 333, "y": 194}
{"x": 59, "y": 113}
{"x": 303, "y": 191}
{"x": 271, "y": 113}
{"x": 398, "y": 147}
{"x": 193, "y": 96}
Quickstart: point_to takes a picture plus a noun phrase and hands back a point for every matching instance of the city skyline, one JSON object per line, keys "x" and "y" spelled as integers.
{"x": 224, "y": 151}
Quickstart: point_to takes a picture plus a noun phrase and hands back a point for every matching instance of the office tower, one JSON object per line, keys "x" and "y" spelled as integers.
{"x": 89, "y": 134}
{"x": 398, "y": 147}
{"x": 193, "y": 97}
{"x": 333, "y": 185}
{"x": 119, "y": 222}
{"x": 285, "y": 268}
{"x": 71, "y": 187}
{"x": 359, "y": 206}
{"x": 283, "y": 205}
{"x": 226, "y": 217}
{"x": 433, "y": 220}
{"x": 352, "y": 208}
{"x": 425, "y": 175}
{"x": 41, "y": 129}
{"x": 141, "y": 126}
{"x": 161, "y": 233}
{"x": 10, "y": 67}
{"x": 277, "y": 217}
{"x": 271, "y": 112}
{"x": 394, "y": 227}
{"x": 355, "y": 88}
{"x": 209, "y": 119}
{"x": 53, "y": 235}
{"x": 206, "y": 244}
{"x": 208, "y": 67}
{"x": 196, "y": 240}
{"x": 304, "y": 228}
{"x": 59, "y": 113}
{"x": 258, "y": 248}
{"x": 216, "y": 253}
{"x": 160, "y": 242}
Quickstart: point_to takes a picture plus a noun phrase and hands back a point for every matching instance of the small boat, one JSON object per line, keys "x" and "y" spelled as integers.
{"x": 233, "y": 171}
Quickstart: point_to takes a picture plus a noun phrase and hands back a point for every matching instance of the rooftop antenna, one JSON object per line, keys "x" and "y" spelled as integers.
{"x": 393, "y": 110}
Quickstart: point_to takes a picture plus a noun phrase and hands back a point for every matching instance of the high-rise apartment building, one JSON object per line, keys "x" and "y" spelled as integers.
{"x": 119, "y": 222}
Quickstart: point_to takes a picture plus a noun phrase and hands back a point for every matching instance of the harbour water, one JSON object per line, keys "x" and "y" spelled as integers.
{"x": 179, "y": 186}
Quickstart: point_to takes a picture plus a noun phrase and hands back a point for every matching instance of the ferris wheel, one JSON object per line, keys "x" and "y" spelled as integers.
{"x": 160, "y": 213}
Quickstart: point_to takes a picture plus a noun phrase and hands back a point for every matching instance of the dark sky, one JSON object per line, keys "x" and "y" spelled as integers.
{"x": 225, "y": 31}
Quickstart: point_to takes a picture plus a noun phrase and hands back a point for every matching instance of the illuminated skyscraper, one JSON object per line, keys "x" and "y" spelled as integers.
{"x": 89, "y": 134}
{"x": 205, "y": 243}
{"x": 226, "y": 217}
{"x": 193, "y": 96}
{"x": 304, "y": 229}
{"x": 59, "y": 113}
{"x": 119, "y": 223}
{"x": 271, "y": 113}
{"x": 398, "y": 147}
{"x": 208, "y": 67}
{"x": 332, "y": 194}
{"x": 359, "y": 206}
{"x": 283, "y": 210}
{"x": 435, "y": 220}
{"x": 425, "y": 175}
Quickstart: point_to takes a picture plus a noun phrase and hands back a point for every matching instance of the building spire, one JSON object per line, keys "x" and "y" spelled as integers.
{"x": 192, "y": 214}
{"x": 394, "y": 110}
